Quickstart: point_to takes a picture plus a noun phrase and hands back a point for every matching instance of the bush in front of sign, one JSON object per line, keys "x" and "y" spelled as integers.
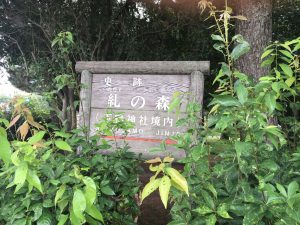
{"x": 44, "y": 181}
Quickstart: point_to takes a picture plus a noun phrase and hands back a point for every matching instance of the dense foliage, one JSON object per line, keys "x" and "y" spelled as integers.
{"x": 46, "y": 181}
{"x": 242, "y": 164}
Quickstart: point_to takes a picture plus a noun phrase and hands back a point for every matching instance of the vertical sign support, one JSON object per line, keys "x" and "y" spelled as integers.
{"x": 197, "y": 87}
{"x": 85, "y": 103}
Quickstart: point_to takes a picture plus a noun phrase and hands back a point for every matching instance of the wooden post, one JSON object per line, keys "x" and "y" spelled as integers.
{"x": 85, "y": 100}
{"x": 197, "y": 86}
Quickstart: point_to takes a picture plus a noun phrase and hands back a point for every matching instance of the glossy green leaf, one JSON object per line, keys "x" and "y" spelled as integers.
{"x": 281, "y": 189}
{"x": 203, "y": 210}
{"x": 60, "y": 192}
{"x": 95, "y": 213}
{"x": 239, "y": 50}
{"x": 5, "y": 150}
{"x": 211, "y": 220}
{"x": 45, "y": 219}
{"x": 292, "y": 188}
{"x": 74, "y": 219}
{"x": 37, "y": 137}
{"x": 268, "y": 62}
{"x": 79, "y": 204}
{"x": 267, "y": 53}
{"x": 107, "y": 190}
{"x": 91, "y": 221}
{"x": 62, "y": 204}
{"x": 164, "y": 189}
{"x": 219, "y": 47}
{"x": 175, "y": 185}
{"x": 222, "y": 211}
{"x": 217, "y": 37}
{"x": 225, "y": 70}
{"x": 297, "y": 47}
{"x": 5, "y": 122}
{"x": 208, "y": 199}
{"x": 89, "y": 190}
{"x": 270, "y": 101}
{"x": 62, "y": 145}
{"x": 178, "y": 179}
{"x": 21, "y": 173}
{"x": 226, "y": 100}
{"x": 62, "y": 219}
{"x": 62, "y": 134}
{"x": 290, "y": 81}
{"x": 253, "y": 216}
{"x": 287, "y": 54}
{"x": 34, "y": 180}
{"x": 150, "y": 187}
{"x": 211, "y": 188}
{"x": 38, "y": 211}
{"x": 22, "y": 221}
{"x": 175, "y": 104}
{"x": 286, "y": 69}
{"x": 3, "y": 132}
{"x": 241, "y": 91}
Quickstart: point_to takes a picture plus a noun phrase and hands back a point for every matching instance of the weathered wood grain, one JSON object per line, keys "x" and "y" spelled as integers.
{"x": 197, "y": 86}
{"x": 147, "y": 149}
{"x": 144, "y": 67}
{"x": 148, "y": 124}
{"x": 85, "y": 96}
{"x": 151, "y": 89}
{"x": 149, "y": 140}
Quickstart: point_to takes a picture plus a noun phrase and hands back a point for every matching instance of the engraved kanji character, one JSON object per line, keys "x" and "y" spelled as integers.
{"x": 169, "y": 121}
{"x": 131, "y": 118}
{"x": 137, "y": 82}
{"x": 162, "y": 103}
{"x": 113, "y": 101}
{"x": 108, "y": 81}
{"x": 143, "y": 120}
{"x": 155, "y": 121}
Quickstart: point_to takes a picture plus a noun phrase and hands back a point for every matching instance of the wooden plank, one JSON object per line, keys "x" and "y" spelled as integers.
{"x": 151, "y": 129}
{"x": 134, "y": 90}
{"x": 85, "y": 96}
{"x": 155, "y": 125}
{"x": 144, "y": 67}
{"x": 197, "y": 86}
{"x": 146, "y": 149}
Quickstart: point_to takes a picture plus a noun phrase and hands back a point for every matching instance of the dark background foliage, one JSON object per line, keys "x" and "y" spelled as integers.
{"x": 112, "y": 30}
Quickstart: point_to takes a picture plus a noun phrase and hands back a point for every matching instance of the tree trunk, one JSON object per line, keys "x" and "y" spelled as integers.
{"x": 107, "y": 46}
{"x": 257, "y": 30}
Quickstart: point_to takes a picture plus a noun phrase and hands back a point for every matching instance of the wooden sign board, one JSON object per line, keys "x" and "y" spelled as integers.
{"x": 142, "y": 92}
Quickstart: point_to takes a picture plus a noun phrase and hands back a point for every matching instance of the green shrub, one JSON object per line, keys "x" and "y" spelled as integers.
{"x": 44, "y": 180}
{"x": 241, "y": 167}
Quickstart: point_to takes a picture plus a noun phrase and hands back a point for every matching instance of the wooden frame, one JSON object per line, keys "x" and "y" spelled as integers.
{"x": 144, "y": 67}
{"x": 195, "y": 69}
